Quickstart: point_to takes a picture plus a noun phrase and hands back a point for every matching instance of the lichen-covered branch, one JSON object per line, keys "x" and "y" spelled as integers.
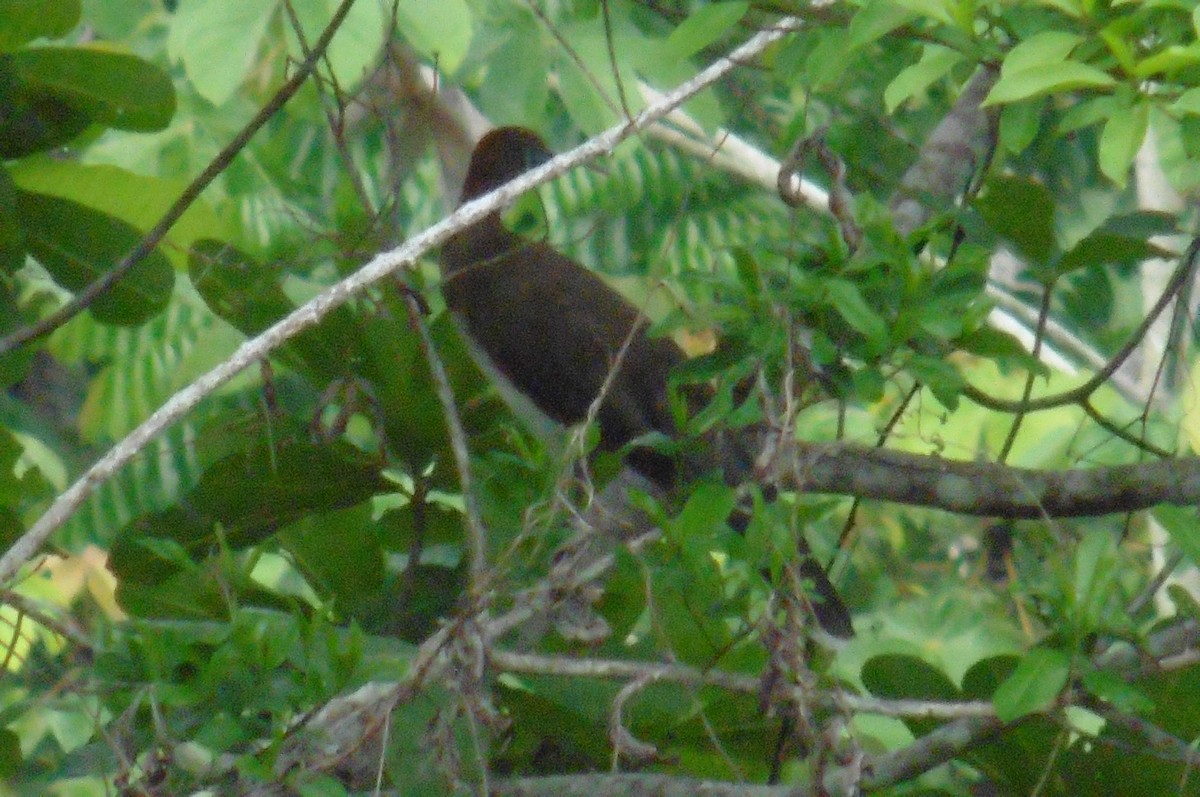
{"x": 989, "y": 489}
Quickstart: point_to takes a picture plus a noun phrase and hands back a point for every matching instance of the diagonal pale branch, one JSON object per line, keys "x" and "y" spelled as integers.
{"x": 378, "y": 267}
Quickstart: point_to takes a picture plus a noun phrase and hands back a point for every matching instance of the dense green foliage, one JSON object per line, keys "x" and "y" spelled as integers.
{"x": 304, "y": 532}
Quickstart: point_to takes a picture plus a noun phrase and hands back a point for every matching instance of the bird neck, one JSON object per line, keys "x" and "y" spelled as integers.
{"x": 484, "y": 240}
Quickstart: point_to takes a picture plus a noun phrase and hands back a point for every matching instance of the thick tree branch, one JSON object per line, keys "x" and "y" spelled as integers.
{"x": 988, "y": 489}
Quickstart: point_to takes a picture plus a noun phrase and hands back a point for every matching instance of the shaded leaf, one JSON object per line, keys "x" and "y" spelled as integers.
{"x": 1038, "y": 81}
{"x": 114, "y": 89}
{"x": 1034, "y": 686}
{"x": 1022, "y": 212}
{"x": 26, "y": 20}
{"x": 78, "y": 245}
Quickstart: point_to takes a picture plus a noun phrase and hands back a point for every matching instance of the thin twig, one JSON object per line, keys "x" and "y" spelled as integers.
{"x": 476, "y": 537}
{"x": 1182, "y": 273}
{"x": 1031, "y": 377}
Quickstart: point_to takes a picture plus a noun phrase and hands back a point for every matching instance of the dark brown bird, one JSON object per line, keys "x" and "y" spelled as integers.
{"x": 554, "y": 332}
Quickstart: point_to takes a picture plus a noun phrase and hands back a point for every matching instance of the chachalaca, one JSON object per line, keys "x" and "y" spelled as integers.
{"x": 551, "y": 332}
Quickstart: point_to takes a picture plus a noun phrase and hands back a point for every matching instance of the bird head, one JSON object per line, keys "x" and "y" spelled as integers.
{"x": 502, "y": 155}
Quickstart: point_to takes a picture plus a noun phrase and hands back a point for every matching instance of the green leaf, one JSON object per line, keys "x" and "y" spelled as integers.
{"x": 1040, "y": 80}
{"x": 893, "y": 676}
{"x": 702, "y": 28}
{"x": 1187, "y": 102}
{"x": 936, "y": 62}
{"x": 35, "y": 119}
{"x": 339, "y": 554}
{"x": 10, "y": 754}
{"x": 993, "y": 344}
{"x": 850, "y": 304}
{"x": 247, "y": 294}
{"x": 22, "y": 21}
{"x": 1095, "y": 569}
{"x": 77, "y": 245}
{"x": 355, "y": 46}
{"x": 1171, "y": 58}
{"x": 1105, "y": 248}
{"x": 1019, "y": 124}
{"x": 438, "y": 29}
{"x": 588, "y": 95}
{"x": 1022, "y": 212}
{"x": 12, "y": 244}
{"x": 941, "y": 378}
{"x": 1091, "y": 111}
{"x": 1113, "y": 688}
{"x": 136, "y": 199}
{"x": 217, "y": 42}
{"x": 1121, "y": 138}
{"x": 876, "y": 19}
{"x": 1034, "y": 686}
{"x": 1184, "y": 528}
{"x": 114, "y": 89}
{"x": 707, "y": 507}
{"x": 1048, "y": 47}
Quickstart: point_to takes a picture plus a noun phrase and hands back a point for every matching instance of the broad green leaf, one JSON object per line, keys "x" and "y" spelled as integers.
{"x": 1039, "y": 80}
{"x": 596, "y": 93}
{"x": 12, "y": 245}
{"x": 1174, "y": 138}
{"x": 1034, "y": 686}
{"x": 850, "y": 304}
{"x": 114, "y": 89}
{"x": 1105, "y": 248}
{"x": 121, "y": 21}
{"x": 136, "y": 199}
{"x": 702, "y": 28}
{"x": 10, "y": 753}
{"x": 1186, "y": 604}
{"x": 22, "y": 21}
{"x": 438, "y": 29}
{"x": 1184, "y": 528}
{"x": 1095, "y": 567}
{"x": 1187, "y": 102}
{"x": 35, "y": 119}
{"x": 77, "y": 245}
{"x": 355, "y": 46}
{"x": 894, "y": 676}
{"x": 1022, "y": 212}
{"x": 994, "y": 344}
{"x": 1019, "y": 124}
{"x": 523, "y": 60}
{"x": 707, "y": 507}
{"x": 339, "y": 554}
{"x": 984, "y": 676}
{"x": 217, "y": 42}
{"x": 1050, "y": 47}
{"x": 247, "y": 293}
{"x": 1085, "y": 114}
{"x": 876, "y": 19}
{"x": 1122, "y": 137}
{"x": 939, "y": 376}
{"x": 936, "y": 62}
{"x": 1168, "y": 60}
{"x": 274, "y": 483}
{"x": 937, "y": 10}
{"x": 1111, "y": 687}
